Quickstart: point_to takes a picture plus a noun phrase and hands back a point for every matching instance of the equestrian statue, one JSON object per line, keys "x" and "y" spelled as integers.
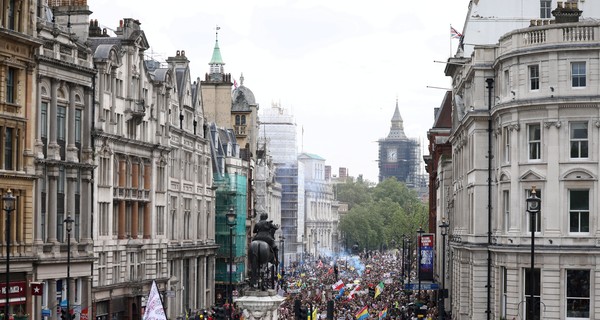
{"x": 263, "y": 250}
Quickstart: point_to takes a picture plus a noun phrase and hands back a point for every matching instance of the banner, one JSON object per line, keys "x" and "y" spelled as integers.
{"x": 426, "y": 257}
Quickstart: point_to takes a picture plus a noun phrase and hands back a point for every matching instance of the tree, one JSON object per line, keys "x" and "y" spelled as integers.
{"x": 377, "y": 215}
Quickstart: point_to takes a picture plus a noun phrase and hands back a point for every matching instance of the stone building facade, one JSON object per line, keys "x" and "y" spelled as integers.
{"x": 530, "y": 102}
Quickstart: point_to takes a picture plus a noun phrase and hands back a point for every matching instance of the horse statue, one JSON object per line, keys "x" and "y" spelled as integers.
{"x": 260, "y": 255}
{"x": 263, "y": 250}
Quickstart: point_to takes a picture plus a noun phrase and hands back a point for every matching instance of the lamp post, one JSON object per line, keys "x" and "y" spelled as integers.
{"x": 409, "y": 261}
{"x": 442, "y": 296}
{"x": 403, "y": 258}
{"x": 9, "y": 207}
{"x": 420, "y": 232}
{"x": 533, "y": 208}
{"x": 69, "y": 226}
{"x": 282, "y": 245}
{"x": 302, "y": 252}
{"x": 231, "y": 223}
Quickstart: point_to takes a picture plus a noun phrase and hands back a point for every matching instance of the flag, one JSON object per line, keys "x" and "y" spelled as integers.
{"x": 351, "y": 295}
{"x": 278, "y": 276}
{"x": 37, "y": 288}
{"x": 320, "y": 265}
{"x": 363, "y": 313}
{"x": 330, "y": 271}
{"x": 383, "y": 313}
{"x": 379, "y": 289}
{"x": 154, "y": 306}
{"x": 455, "y": 34}
{"x": 314, "y": 315}
{"x": 235, "y": 84}
{"x": 340, "y": 294}
{"x": 338, "y": 285}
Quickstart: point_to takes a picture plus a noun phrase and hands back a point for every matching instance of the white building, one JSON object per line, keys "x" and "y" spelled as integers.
{"x": 320, "y": 208}
{"x": 534, "y": 97}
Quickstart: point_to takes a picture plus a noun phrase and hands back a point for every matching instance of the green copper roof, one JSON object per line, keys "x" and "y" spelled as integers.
{"x": 216, "y": 57}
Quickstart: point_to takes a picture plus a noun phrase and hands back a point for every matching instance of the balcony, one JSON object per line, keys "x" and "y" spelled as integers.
{"x": 566, "y": 35}
{"x": 122, "y": 193}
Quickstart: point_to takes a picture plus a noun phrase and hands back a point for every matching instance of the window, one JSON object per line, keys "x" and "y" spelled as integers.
{"x": 9, "y": 152}
{"x": 578, "y": 293}
{"x": 579, "y": 211}
{"x": 115, "y": 219}
{"x": 506, "y": 140}
{"x": 187, "y": 165}
{"x": 160, "y": 220}
{"x": 61, "y": 116}
{"x": 160, "y": 178}
{"x": 537, "y": 218}
{"x": 504, "y": 294}
{"x": 187, "y": 204}
{"x": 506, "y": 208}
{"x": 534, "y": 77}
{"x": 173, "y": 219}
{"x": 579, "y": 140}
{"x": 11, "y": 14}
{"x": 78, "y": 126}
{"x": 534, "y": 138}
{"x": 507, "y": 81}
{"x": 103, "y": 217}
{"x": 578, "y": 74}
{"x": 532, "y": 286}
{"x": 545, "y": 9}
{"x": 11, "y": 74}
{"x": 102, "y": 268}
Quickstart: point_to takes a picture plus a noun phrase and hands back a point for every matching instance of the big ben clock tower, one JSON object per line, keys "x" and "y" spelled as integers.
{"x": 398, "y": 155}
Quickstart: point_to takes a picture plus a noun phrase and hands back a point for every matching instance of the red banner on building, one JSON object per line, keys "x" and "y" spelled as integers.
{"x": 17, "y": 289}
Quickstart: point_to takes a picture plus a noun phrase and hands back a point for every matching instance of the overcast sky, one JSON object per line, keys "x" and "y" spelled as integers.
{"x": 338, "y": 65}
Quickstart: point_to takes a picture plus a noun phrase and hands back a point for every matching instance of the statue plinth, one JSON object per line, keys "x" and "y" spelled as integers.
{"x": 256, "y": 304}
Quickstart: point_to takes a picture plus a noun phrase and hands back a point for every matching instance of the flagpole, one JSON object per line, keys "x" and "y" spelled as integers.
{"x": 450, "y": 56}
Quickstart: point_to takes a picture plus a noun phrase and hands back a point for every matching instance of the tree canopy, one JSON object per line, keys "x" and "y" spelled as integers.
{"x": 378, "y": 214}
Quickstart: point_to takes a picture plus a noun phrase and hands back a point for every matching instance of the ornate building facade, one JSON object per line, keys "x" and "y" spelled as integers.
{"x": 64, "y": 158}
{"x": 131, "y": 144}
{"x": 527, "y": 118}
{"x": 17, "y": 138}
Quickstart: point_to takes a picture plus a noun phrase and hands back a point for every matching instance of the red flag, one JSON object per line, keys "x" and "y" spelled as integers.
{"x": 37, "y": 288}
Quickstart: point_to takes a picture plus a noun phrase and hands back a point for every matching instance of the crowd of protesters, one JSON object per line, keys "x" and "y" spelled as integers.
{"x": 371, "y": 280}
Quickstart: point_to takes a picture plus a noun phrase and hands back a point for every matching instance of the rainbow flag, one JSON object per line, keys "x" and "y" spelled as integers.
{"x": 363, "y": 313}
{"x": 383, "y": 313}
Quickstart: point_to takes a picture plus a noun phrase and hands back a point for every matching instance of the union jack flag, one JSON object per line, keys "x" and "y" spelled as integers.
{"x": 455, "y": 34}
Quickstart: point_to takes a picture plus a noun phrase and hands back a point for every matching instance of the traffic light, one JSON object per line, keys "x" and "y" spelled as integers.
{"x": 330, "y": 310}
{"x": 297, "y": 309}
{"x": 303, "y": 313}
{"x": 63, "y": 314}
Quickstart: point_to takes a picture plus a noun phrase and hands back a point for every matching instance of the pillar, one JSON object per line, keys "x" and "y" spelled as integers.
{"x": 121, "y": 227}
{"x": 52, "y": 174}
{"x": 53, "y": 152}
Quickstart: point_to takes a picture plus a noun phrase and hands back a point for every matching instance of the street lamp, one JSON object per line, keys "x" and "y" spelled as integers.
{"x": 403, "y": 258}
{"x": 442, "y": 297}
{"x": 408, "y": 261}
{"x": 533, "y": 208}
{"x": 420, "y": 232}
{"x": 282, "y": 245}
{"x": 231, "y": 223}
{"x": 69, "y": 225}
{"x": 9, "y": 207}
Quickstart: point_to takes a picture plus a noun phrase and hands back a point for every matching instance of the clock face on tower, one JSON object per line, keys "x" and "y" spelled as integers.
{"x": 392, "y": 155}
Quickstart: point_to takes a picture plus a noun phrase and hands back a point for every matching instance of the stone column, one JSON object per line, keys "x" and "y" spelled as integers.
{"x": 121, "y": 227}
{"x": 148, "y": 205}
{"x": 52, "y": 297}
{"x": 134, "y": 219}
{"x": 101, "y": 86}
{"x": 86, "y": 208}
{"x": 53, "y": 148}
{"x": 52, "y": 174}
{"x": 113, "y": 103}
{"x": 71, "y": 189}
{"x": 135, "y": 178}
{"x": 71, "y": 148}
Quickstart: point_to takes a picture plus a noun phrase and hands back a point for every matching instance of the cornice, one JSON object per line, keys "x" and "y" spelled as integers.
{"x": 67, "y": 65}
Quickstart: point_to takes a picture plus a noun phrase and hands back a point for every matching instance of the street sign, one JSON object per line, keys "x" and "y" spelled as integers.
{"x": 46, "y": 312}
{"x": 424, "y": 286}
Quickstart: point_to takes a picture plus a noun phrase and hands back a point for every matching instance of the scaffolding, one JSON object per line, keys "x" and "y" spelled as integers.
{"x": 230, "y": 194}
{"x": 406, "y": 164}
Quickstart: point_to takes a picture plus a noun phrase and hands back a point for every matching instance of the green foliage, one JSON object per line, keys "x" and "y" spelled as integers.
{"x": 379, "y": 214}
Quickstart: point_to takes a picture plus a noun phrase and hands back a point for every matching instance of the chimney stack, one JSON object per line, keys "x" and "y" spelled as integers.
{"x": 567, "y": 13}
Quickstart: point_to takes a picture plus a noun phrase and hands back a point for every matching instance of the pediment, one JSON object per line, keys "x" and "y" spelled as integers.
{"x": 531, "y": 175}
{"x": 578, "y": 175}
{"x": 504, "y": 177}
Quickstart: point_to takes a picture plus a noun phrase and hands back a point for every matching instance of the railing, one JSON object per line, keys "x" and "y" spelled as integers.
{"x": 565, "y": 34}
{"x": 131, "y": 194}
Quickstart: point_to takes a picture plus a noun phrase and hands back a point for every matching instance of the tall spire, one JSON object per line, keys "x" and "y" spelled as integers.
{"x": 397, "y": 128}
{"x": 216, "y": 62}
